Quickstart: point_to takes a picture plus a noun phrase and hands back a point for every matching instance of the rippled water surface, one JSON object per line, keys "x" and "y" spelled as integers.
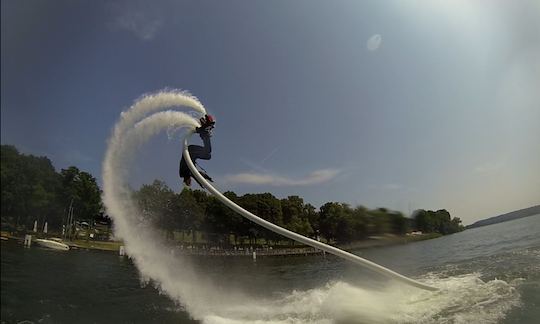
{"x": 489, "y": 274}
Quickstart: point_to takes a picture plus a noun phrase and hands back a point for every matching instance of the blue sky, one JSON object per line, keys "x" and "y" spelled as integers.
{"x": 398, "y": 104}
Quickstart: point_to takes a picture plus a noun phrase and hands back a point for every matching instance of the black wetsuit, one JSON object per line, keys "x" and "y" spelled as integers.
{"x": 196, "y": 152}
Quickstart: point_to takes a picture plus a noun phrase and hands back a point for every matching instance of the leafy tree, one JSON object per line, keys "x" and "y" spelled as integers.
{"x": 296, "y": 216}
{"x": 29, "y": 187}
{"x": 215, "y": 222}
{"x": 221, "y": 221}
{"x": 398, "y": 223}
{"x": 201, "y": 197}
{"x": 81, "y": 188}
{"x": 378, "y": 221}
{"x": 423, "y": 221}
{"x": 436, "y": 221}
{"x": 156, "y": 202}
{"x": 345, "y": 231}
{"x": 455, "y": 225}
{"x": 192, "y": 213}
{"x": 360, "y": 222}
{"x": 266, "y": 206}
{"x": 312, "y": 218}
{"x": 330, "y": 214}
{"x": 232, "y": 220}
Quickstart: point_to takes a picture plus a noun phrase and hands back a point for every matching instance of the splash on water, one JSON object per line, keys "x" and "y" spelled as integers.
{"x": 461, "y": 299}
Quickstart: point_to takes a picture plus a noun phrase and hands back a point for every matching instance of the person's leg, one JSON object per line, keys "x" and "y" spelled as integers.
{"x": 196, "y": 152}
{"x": 182, "y": 167}
{"x": 201, "y": 152}
{"x": 207, "y": 149}
{"x": 184, "y": 172}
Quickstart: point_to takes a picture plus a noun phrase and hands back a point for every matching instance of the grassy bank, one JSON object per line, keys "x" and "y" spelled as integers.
{"x": 95, "y": 245}
{"x": 387, "y": 240}
{"x": 286, "y": 248}
{"x": 378, "y": 241}
{"x": 428, "y": 236}
{"x": 77, "y": 244}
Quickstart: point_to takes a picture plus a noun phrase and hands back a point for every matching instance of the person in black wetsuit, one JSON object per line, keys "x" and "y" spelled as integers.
{"x": 199, "y": 152}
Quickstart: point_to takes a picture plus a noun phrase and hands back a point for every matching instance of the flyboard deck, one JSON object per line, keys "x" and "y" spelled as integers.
{"x": 295, "y": 236}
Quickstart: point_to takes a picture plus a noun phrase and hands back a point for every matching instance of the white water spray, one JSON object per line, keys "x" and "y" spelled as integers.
{"x": 337, "y": 301}
{"x": 143, "y": 244}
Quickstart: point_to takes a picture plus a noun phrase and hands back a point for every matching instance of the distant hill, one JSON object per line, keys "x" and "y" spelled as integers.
{"x": 507, "y": 217}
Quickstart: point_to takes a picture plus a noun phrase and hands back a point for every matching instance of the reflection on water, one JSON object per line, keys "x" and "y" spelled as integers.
{"x": 488, "y": 274}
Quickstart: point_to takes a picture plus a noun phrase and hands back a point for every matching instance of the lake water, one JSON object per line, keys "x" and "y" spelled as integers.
{"x": 488, "y": 274}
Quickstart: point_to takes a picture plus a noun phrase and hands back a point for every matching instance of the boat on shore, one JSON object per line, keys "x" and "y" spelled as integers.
{"x": 53, "y": 243}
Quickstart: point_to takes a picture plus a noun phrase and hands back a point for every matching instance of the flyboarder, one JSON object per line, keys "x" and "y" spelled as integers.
{"x": 199, "y": 152}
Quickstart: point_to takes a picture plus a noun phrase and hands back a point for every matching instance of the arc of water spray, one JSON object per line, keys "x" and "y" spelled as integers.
{"x": 295, "y": 236}
{"x": 143, "y": 243}
{"x": 122, "y": 144}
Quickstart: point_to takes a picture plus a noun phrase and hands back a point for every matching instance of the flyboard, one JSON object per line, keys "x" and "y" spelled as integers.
{"x": 294, "y": 236}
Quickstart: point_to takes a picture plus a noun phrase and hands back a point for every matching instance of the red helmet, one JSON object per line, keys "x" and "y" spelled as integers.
{"x": 207, "y": 120}
{"x": 210, "y": 119}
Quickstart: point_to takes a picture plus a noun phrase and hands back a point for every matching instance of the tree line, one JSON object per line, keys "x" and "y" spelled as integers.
{"x": 192, "y": 211}
{"x": 32, "y": 190}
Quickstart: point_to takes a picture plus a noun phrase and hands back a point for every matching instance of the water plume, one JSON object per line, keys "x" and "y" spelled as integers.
{"x": 209, "y": 302}
{"x": 172, "y": 274}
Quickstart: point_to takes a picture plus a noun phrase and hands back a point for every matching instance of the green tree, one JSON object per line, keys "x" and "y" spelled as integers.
{"x": 223, "y": 221}
{"x": 398, "y": 223}
{"x": 191, "y": 211}
{"x": 81, "y": 188}
{"x": 330, "y": 214}
{"x": 438, "y": 221}
{"x": 266, "y": 206}
{"x": 455, "y": 225}
{"x": 156, "y": 202}
{"x": 345, "y": 229}
{"x": 360, "y": 222}
{"x": 423, "y": 221}
{"x": 29, "y": 189}
{"x": 232, "y": 220}
{"x": 296, "y": 215}
{"x": 312, "y": 218}
{"x": 380, "y": 221}
{"x": 215, "y": 223}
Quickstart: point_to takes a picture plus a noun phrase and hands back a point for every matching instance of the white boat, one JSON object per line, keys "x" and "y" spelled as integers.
{"x": 56, "y": 244}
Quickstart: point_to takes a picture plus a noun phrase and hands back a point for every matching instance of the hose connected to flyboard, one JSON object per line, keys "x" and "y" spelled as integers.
{"x": 294, "y": 236}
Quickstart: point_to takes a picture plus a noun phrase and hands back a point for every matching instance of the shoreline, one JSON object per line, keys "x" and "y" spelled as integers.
{"x": 387, "y": 240}
{"x": 277, "y": 251}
